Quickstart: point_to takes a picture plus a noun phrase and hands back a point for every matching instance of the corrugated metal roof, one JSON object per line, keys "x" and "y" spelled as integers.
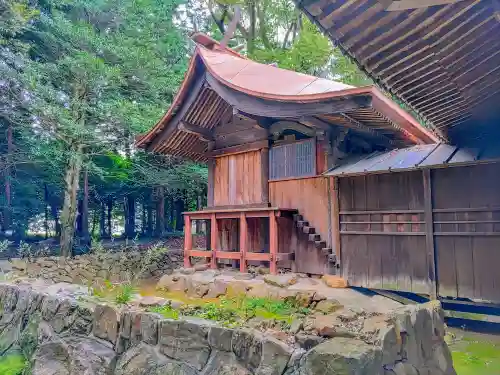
{"x": 416, "y": 157}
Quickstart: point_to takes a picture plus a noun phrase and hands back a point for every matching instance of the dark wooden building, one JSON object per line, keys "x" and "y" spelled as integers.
{"x": 268, "y": 136}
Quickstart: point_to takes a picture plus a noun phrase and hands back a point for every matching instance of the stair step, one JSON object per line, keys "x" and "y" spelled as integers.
{"x": 314, "y": 237}
{"x": 320, "y": 244}
{"x": 297, "y": 217}
{"x": 326, "y": 251}
{"x": 309, "y": 230}
{"x": 302, "y": 223}
{"x": 332, "y": 258}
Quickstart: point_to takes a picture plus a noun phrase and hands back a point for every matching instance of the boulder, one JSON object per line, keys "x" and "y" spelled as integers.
{"x": 106, "y": 321}
{"x": 223, "y": 363}
{"x": 73, "y": 355}
{"x": 144, "y": 359}
{"x": 334, "y": 281}
{"x": 307, "y": 342}
{"x": 220, "y": 338}
{"x": 342, "y": 356}
{"x": 275, "y": 356}
{"x": 216, "y": 289}
{"x": 281, "y": 281}
{"x": 247, "y": 347}
{"x": 184, "y": 341}
{"x": 328, "y": 306}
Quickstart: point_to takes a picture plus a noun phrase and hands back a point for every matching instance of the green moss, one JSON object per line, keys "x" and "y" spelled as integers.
{"x": 471, "y": 357}
{"x": 12, "y": 364}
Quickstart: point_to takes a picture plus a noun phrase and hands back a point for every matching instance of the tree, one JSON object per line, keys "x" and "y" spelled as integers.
{"x": 102, "y": 72}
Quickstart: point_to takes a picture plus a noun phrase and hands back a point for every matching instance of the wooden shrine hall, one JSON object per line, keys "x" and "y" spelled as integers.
{"x": 268, "y": 136}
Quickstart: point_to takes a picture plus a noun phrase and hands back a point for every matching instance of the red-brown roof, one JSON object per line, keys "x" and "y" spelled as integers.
{"x": 272, "y": 83}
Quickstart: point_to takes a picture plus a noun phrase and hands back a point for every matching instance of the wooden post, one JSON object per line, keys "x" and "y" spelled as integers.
{"x": 243, "y": 242}
{"x": 335, "y": 219}
{"x": 211, "y": 177}
{"x": 213, "y": 240}
{"x": 273, "y": 242}
{"x": 429, "y": 233}
{"x": 264, "y": 160}
{"x": 188, "y": 241}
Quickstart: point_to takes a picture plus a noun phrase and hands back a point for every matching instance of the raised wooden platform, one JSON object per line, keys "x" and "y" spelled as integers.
{"x": 242, "y": 254}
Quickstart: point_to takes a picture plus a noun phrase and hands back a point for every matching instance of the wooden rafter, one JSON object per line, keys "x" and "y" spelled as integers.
{"x": 400, "y": 5}
{"x": 202, "y": 133}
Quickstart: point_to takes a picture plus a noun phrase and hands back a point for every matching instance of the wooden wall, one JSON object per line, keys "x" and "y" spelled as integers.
{"x": 382, "y": 231}
{"x": 308, "y": 195}
{"x": 384, "y": 224}
{"x": 467, "y": 231}
{"x": 238, "y": 179}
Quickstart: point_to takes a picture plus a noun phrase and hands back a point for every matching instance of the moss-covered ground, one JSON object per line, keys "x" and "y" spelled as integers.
{"x": 475, "y": 354}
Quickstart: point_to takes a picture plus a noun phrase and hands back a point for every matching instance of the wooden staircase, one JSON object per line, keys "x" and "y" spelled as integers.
{"x": 304, "y": 227}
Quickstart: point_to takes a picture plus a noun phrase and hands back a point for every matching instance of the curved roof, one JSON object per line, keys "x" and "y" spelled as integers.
{"x": 279, "y": 85}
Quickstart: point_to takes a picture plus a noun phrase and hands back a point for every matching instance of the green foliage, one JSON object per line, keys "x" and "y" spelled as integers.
{"x": 13, "y": 364}
{"x": 166, "y": 311}
{"x": 236, "y": 311}
{"x": 124, "y": 293}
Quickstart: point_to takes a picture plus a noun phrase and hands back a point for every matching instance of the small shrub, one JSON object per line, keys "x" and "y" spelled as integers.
{"x": 124, "y": 293}
{"x": 12, "y": 364}
{"x": 166, "y": 311}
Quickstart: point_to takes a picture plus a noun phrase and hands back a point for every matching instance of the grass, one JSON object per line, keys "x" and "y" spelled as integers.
{"x": 474, "y": 357}
{"x": 236, "y": 311}
{"x": 12, "y": 364}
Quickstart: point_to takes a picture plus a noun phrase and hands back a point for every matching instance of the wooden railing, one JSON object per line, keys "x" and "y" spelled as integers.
{"x": 243, "y": 254}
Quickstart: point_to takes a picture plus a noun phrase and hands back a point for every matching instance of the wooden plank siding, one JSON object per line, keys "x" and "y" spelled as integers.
{"x": 389, "y": 226}
{"x": 310, "y": 197}
{"x": 467, "y": 231}
{"x": 238, "y": 180}
{"x": 382, "y": 232}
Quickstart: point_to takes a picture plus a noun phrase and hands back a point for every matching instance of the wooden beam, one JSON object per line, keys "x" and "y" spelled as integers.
{"x": 273, "y": 242}
{"x": 243, "y": 242}
{"x": 254, "y": 146}
{"x": 211, "y": 177}
{"x": 275, "y": 108}
{"x": 203, "y": 133}
{"x": 280, "y": 126}
{"x": 400, "y": 5}
{"x": 264, "y": 174}
{"x": 214, "y": 233}
{"x": 188, "y": 241}
{"x": 172, "y": 126}
{"x": 429, "y": 234}
{"x": 357, "y": 125}
{"x": 335, "y": 218}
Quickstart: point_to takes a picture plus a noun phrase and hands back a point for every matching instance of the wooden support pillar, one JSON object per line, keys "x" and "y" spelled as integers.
{"x": 243, "y": 242}
{"x": 429, "y": 234}
{"x": 273, "y": 242}
{"x": 335, "y": 218}
{"x": 211, "y": 177}
{"x": 264, "y": 159}
{"x": 213, "y": 240}
{"x": 188, "y": 241}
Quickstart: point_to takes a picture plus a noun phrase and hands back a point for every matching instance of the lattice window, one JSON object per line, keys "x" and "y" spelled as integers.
{"x": 293, "y": 160}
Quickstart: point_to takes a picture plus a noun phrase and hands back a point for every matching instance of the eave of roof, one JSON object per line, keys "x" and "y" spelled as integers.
{"x": 271, "y": 83}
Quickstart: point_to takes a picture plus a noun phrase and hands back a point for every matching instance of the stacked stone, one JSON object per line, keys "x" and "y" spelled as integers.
{"x": 92, "y": 268}
{"x": 64, "y": 336}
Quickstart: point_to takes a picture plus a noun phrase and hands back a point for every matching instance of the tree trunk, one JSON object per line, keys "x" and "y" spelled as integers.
{"x": 160, "y": 212}
{"x": 55, "y": 215}
{"x": 7, "y": 214}
{"x": 110, "y": 212}
{"x": 85, "y": 209}
{"x": 102, "y": 220}
{"x": 79, "y": 218}
{"x": 95, "y": 220}
{"x": 150, "y": 217}
{"x": 46, "y": 218}
{"x": 68, "y": 215}
{"x": 179, "y": 217}
{"x": 170, "y": 214}
{"x": 129, "y": 210}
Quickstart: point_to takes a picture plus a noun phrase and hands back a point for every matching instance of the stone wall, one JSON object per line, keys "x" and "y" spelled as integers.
{"x": 63, "y": 336}
{"x": 90, "y": 268}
